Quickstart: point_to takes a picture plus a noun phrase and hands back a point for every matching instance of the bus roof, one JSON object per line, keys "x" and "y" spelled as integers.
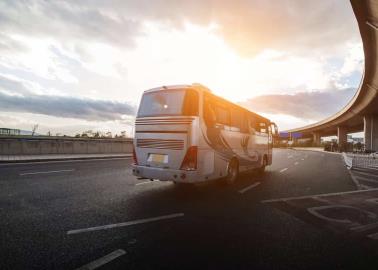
{"x": 179, "y": 86}
{"x": 205, "y": 89}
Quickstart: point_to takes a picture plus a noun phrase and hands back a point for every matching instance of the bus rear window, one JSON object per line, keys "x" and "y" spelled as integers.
{"x": 169, "y": 102}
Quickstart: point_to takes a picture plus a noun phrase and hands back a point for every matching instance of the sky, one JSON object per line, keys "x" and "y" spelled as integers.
{"x": 72, "y": 66}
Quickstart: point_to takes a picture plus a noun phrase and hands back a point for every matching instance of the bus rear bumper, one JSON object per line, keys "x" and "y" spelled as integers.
{"x": 166, "y": 174}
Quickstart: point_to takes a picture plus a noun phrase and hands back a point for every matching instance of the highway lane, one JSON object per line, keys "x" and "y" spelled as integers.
{"x": 157, "y": 225}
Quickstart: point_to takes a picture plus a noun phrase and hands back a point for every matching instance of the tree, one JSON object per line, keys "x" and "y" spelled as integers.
{"x": 87, "y": 134}
{"x": 34, "y": 128}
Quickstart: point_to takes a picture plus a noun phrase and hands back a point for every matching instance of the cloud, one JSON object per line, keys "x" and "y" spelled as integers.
{"x": 305, "y": 105}
{"x": 15, "y": 96}
{"x": 11, "y": 84}
{"x": 61, "y": 20}
{"x": 252, "y": 26}
{"x": 66, "y": 107}
{"x": 247, "y": 26}
{"x": 10, "y": 45}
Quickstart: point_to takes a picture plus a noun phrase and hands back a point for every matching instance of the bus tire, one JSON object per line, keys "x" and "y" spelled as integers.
{"x": 232, "y": 172}
{"x": 261, "y": 170}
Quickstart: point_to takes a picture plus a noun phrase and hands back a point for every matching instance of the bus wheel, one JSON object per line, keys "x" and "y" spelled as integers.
{"x": 232, "y": 172}
{"x": 261, "y": 170}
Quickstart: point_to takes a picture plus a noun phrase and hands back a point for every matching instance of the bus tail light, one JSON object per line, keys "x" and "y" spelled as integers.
{"x": 190, "y": 160}
{"x": 135, "y": 160}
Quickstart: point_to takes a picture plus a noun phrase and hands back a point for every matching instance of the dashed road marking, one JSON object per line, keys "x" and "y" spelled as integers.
{"x": 296, "y": 163}
{"x": 103, "y": 260}
{"x": 281, "y": 171}
{"x": 249, "y": 187}
{"x": 45, "y": 172}
{"x": 124, "y": 224}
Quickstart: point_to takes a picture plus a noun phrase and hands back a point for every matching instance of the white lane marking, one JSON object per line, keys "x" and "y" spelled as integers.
{"x": 357, "y": 173}
{"x": 316, "y": 212}
{"x": 366, "y": 186}
{"x": 289, "y": 156}
{"x": 302, "y": 159}
{"x": 59, "y": 171}
{"x": 249, "y": 187}
{"x": 373, "y": 236}
{"x": 123, "y": 224}
{"x": 146, "y": 182}
{"x": 317, "y": 195}
{"x": 365, "y": 227}
{"x": 372, "y": 200}
{"x": 103, "y": 260}
{"x": 62, "y": 161}
{"x": 296, "y": 163}
{"x": 283, "y": 170}
{"x": 361, "y": 178}
{"x": 355, "y": 181}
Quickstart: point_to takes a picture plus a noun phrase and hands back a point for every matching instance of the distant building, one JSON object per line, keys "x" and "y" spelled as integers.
{"x": 358, "y": 140}
{"x": 355, "y": 139}
{"x": 9, "y": 132}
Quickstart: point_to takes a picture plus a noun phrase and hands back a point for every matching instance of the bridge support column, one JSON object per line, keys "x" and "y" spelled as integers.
{"x": 316, "y": 138}
{"x": 342, "y": 137}
{"x": 371, "y": 132}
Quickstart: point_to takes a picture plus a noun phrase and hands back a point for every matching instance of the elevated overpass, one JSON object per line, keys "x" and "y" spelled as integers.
{"x": 361, "y": 113}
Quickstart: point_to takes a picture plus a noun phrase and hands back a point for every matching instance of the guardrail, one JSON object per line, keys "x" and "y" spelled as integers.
{"x": 364, "y": 161}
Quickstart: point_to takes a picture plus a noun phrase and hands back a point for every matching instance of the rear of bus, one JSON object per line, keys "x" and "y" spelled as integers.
{"x": 166, "y": 134}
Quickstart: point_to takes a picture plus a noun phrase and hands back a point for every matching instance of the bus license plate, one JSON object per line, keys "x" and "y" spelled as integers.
{"x": 158, "y": 158}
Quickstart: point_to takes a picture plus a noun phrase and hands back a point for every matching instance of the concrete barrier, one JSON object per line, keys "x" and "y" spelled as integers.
{"x": 28, "y": 145}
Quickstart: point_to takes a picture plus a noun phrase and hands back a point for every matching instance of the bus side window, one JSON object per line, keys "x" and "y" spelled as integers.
{"x": 209, "y": 113}
{"x": 263, "y": 128}
{"x": 236, "y": 119}
{"x": 251, "y": 125}
{"x": 245, "y": 123}
{"x": 222, "y": 115}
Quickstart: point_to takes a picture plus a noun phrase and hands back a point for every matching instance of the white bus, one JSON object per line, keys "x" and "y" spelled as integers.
{"x": 184, "y": 133}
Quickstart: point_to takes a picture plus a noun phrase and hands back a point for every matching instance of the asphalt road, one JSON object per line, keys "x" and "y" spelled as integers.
{"x": 53, "y": 216}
